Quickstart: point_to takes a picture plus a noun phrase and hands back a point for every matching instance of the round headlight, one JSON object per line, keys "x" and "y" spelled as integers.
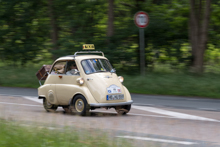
{"x": 121, "y": 79}
{"x": 80, "y": 81}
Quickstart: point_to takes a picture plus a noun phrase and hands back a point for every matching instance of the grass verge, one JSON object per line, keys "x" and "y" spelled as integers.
{"x": 15, "y": 135}
{"x": 180, "y": 84}
{"x": 160, "y": 83}
{"x": 19, "y": 77}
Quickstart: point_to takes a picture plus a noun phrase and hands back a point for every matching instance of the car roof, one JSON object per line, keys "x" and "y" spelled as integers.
{"x": 80, "y": 57}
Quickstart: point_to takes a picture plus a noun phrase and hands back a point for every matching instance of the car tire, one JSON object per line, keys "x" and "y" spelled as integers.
{"x": 48, "y": 106}
{"x": 122, "y": 110}
{"x": 80, "y": 106}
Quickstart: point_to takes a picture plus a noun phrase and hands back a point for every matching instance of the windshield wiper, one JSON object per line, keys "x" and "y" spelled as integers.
{"x": 101, "y": 70}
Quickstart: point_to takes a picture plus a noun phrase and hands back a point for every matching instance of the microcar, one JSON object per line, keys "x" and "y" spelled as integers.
{"x": 82, "y": 82}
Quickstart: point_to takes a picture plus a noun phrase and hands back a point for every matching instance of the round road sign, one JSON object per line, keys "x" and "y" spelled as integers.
{"x": 141, "y": 19}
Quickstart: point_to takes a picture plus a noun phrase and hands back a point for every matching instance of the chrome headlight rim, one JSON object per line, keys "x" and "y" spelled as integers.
{"x": 80, "y": 81}
{"x": 121, "y": 79}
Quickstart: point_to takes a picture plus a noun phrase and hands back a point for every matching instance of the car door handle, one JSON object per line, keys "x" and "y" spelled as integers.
{"x": 89, "y": 79}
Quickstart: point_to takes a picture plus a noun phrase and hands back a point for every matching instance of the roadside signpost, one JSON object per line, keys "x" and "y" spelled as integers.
{"x": 141, "y": 19}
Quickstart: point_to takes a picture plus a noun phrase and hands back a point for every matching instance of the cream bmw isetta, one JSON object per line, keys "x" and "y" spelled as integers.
{"x": 83, "y": 82}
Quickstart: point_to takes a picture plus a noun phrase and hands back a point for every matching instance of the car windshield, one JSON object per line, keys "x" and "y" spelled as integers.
{"x": 96, "y": 65}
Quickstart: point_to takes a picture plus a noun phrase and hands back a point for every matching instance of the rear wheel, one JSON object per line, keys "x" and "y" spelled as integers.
{"x": 48, "y": 106}
{"x": 122, "y": 110}
{"x": 80, "y": 106}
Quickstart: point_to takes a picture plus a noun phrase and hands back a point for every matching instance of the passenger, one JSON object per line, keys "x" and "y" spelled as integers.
{"x": 71, "y": 68}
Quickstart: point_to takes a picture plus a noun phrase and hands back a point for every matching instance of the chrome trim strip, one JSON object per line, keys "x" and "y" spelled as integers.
{"x": 110, "y": 104}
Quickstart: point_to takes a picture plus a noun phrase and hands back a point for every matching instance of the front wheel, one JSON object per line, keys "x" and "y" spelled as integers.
{"x": 80, "y": 106}
{"x": 48, "y": 106}
{"x": 122, "y": 110}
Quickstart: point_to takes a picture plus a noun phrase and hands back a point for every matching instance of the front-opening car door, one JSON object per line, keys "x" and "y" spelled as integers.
{"x": 66, "y": 86}
{"x": 53, "y": 79}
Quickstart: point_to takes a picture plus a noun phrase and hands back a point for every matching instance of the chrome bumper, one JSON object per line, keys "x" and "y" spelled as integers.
{"x": 110, "y": 104}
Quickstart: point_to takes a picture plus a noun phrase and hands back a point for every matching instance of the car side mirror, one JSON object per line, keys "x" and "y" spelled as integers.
{"x": 113, "y": 70}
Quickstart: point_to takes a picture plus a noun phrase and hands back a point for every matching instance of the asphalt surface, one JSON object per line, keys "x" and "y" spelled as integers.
{"x": 177, "y": 102}
{"x": 18, "y": 91}
{"x": 158, "y": 121}
{"x": 139, "y": 99}
{"x": 139, "y": 127}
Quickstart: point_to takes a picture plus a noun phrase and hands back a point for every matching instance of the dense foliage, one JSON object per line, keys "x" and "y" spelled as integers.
{"x": 46, "y": 29}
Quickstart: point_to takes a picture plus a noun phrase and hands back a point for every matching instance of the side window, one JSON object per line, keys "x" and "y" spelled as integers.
{"x": 71, "y": 68}
{"x": 58, "y": 68}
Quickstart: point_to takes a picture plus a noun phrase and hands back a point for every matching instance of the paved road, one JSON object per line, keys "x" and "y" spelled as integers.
{"x": 177, "y": 102}
{"x": 18, "y": 91}
{"x": 147, "y": 100}
{"x": 149, "y": 123}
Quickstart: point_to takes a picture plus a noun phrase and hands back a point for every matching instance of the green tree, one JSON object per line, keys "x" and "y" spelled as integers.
{"x": 21, "y": 32}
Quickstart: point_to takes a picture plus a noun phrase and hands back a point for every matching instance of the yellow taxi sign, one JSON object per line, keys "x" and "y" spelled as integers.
{"x": 88, "y": 47}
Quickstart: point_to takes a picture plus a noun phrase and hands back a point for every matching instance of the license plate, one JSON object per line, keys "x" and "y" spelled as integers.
{"x": 115, "y": 97}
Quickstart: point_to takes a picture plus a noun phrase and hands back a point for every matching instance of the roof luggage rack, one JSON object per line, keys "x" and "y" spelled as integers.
{"x": 83, "y": 52}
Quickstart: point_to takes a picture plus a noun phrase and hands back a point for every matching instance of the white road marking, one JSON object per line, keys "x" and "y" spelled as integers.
{"x": 148, "y": 115}
{"x": 143, "y": 104}
{"x": 133, "y": 114}
{"x": 34, "y": 99}
{"x": 149, "y": 109}
{"x": 158, "y": 140}
{"x": 174, "y": 114}
{"x": 20, "y": 104}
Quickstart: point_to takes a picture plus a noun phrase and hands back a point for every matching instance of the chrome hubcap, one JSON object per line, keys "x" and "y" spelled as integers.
{"x": 79, "y": 105}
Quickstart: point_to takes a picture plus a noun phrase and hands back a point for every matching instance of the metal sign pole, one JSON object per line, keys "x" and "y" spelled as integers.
{"x": 142, "y": 51}
{"x": 141, "y": 19}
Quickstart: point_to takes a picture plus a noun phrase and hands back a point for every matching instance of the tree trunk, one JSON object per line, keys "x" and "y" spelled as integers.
{"x": 198, "y": 31}
{"x": 110, "y": 28}
{"x": 54, "y": 28}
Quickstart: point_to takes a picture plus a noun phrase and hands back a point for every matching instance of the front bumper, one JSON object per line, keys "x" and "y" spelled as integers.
{"x": 111, "y": 104}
